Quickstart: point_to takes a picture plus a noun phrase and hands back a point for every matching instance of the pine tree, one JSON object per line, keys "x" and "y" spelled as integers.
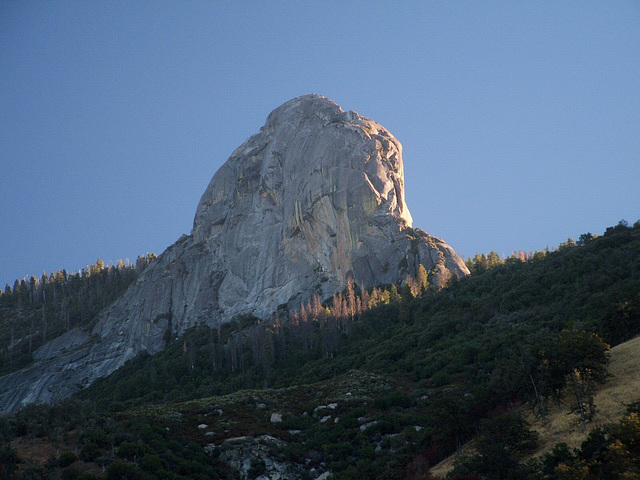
{"x": 97, "y": 267}
{"x": 422, "y": 278}
{"x": 351, "y": 299}
{"x": 394, "y": 296}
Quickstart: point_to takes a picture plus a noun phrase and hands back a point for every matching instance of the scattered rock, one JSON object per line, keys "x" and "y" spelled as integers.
{"x": 239, "y": 452}
{"x": 367, "y": 425}
{"x": 276, "y": 417}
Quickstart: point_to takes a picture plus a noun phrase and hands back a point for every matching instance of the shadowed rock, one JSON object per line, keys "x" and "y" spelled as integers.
{"x": 314, "y": 198}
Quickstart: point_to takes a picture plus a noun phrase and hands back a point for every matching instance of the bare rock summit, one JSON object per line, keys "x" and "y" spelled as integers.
{"x": 316, "y": 197}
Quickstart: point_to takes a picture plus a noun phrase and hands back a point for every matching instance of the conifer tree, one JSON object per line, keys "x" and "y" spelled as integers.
{"x": 422, "y": 278}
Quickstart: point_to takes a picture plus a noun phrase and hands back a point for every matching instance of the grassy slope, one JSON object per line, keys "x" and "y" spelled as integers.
{"x": 622, "y": 388}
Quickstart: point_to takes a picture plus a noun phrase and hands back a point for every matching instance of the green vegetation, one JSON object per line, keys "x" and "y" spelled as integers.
{"x": 109, "y": 447}
{"x": 374, "y": 384}
{"x": 611, "y": 452}
{"x": 38, "y": 309}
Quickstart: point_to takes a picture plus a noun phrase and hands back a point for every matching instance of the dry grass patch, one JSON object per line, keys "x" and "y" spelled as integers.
{"x": 440, "y": 470}
{"x": 621, "y": 389}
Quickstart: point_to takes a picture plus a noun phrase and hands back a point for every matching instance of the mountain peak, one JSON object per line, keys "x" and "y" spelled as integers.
{"x": 314, "y": 199}
{"x": 309, "y": 148}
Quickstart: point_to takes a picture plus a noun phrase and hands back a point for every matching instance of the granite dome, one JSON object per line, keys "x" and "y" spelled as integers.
{"x": 313, "y": 199}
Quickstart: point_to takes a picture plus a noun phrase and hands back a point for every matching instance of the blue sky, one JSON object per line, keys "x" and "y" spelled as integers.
{"x": 520, "y": 121}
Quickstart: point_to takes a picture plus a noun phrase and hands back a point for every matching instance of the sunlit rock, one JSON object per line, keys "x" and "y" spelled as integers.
{"x": 312, "y": 200}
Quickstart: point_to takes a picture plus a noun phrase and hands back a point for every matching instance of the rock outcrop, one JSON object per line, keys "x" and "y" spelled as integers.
{"x": 314, "y": 198}
{"x": 245, "y": 453}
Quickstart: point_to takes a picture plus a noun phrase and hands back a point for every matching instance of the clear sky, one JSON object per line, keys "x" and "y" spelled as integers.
{"x": 520, "y": 121}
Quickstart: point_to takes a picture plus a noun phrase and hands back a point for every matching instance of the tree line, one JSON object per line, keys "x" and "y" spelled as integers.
{"x": 38, "y": 309}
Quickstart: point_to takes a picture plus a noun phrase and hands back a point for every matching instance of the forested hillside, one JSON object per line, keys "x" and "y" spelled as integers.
{"x": 38, "y": 309}
{"x": 382, "y": 383}
{"x": 435, "y": 337}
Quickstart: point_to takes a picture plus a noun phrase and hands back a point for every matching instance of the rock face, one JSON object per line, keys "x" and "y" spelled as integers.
{"x": 316, "y": 197}
{"x": 242, "y": 453}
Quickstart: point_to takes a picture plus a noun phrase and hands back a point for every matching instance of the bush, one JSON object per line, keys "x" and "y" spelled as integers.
{"x": 67, "y": 458}
{"x": 151, "y": 463}
{"x": 120, "y": 470}
{"x": 258, "y": 467}
{"x": 382, "y": 427}
{"x": 502, "y": 443}
{"x": 132, "y": 451}
{"x": 90, "y": 452}
{"x": 9, "y": 460}
{"x": 74, "y": 474}
{"x": 393, "y": 399}
{"x": 340, "y": 451}
{"x": 98, "y": 436}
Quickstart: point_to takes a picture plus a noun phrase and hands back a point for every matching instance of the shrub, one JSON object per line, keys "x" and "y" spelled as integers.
{"x": 90, "y": 452}
{"x": 131, "y": 450}
{"x": 393, "y": 399}
{"x": 151, "y": 463}
{"x": 120, "y": 470}
{"x": 67, "y": 458}
{"x": 258, "y": 467}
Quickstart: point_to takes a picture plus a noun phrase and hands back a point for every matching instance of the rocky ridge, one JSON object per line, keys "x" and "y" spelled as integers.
{"x": 313, "y": 199}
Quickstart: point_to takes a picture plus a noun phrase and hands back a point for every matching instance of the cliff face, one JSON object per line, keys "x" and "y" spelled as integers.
{"x": 316, "y": 197}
